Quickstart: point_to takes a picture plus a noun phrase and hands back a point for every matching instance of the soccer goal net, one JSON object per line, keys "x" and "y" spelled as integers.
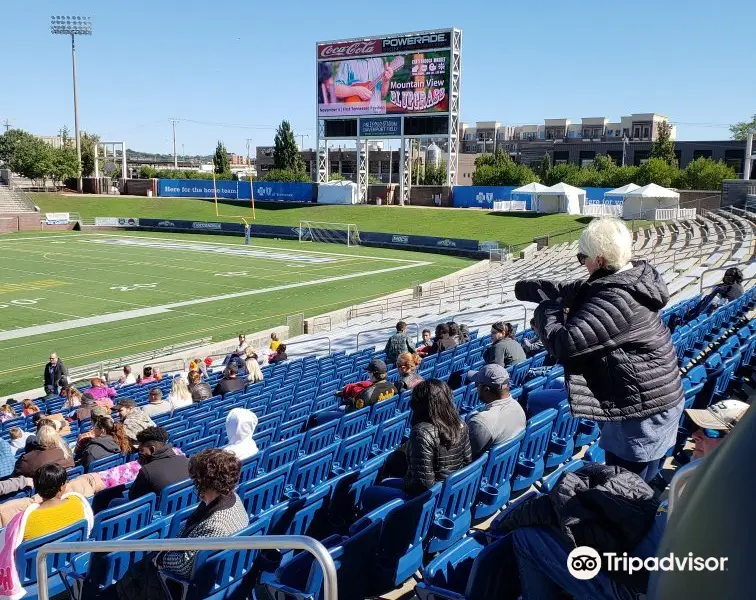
{"x": 332, "y": 233}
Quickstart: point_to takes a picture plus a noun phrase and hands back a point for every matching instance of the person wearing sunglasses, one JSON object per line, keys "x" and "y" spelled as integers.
{"x": 619, "y": 362}
{"x": 714, "y": 424}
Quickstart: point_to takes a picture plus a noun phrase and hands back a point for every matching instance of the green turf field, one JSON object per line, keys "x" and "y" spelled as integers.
{"x": 92, "y": 296}
{"x": 510, "y": 229}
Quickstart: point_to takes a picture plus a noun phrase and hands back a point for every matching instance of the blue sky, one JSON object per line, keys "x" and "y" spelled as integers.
{"x": 232, "y": 69}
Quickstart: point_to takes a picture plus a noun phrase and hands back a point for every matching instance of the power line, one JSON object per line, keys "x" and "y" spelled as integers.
{"x": 7, "y": 124}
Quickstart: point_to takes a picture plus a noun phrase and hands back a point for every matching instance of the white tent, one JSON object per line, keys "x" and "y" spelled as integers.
{"x": 643, "y": 202}
{"x": 618, "y": 194}
{"x": 530, "y": 191}
{"x": 560, "y": 198}
{"x": 337, "y": 192}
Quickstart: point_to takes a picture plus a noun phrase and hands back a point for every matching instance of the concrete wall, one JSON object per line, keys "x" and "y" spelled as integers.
{"x": 735, "y": 191}
{"x": 10, "y": 223}
{"x": 701, "y": 199}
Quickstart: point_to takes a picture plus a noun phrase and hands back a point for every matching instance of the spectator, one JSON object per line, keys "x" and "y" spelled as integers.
{"x": 280, "y": 355}
{"x": 240, "y": 427}
{"x": 73, "y": 398}
{"x": 254, "y": 373}
{"x": 7, "y": 459}
{"x": 230, "y": 382}
{"x": 439, "y": 445}
{"x": 504, "y": 349}
{"x": 11, "y": 486}
{"x": 157, "y": 374}
{"x": 100, "y": 391}
{"x": 215, "y": 474}
{"x": 714, "y": 424}
{"x": 464, "y": 334}
{"x": 274, "y": 342}
{"x": 730, "y": 289}
{"x": 29, "y": 407}
{"x": 18, "y": 438}
{"x": 56, "y": 421}
{"x": 146, "y": 377}
{"x": 133, "y": 419}
{"x": 620, "y": 365}
{"x": 156, "y": 405}
{"x": 454, "y": 332}
{"x": 199, "y": 389}
{"x": 407, "y": 365}
{"x": 82, "y": 440}
{"x": 601, "y": 506}
{"x": 128, "y": 377}
{"x": 179, "y": 396}
{"x": 367, "y": 393}
{"x": 442, "y": 341}
{"x": 108, "y": 439}
{"x": 532, "y": 345}
{"x": 55, "y": 375}
{"x": 48, "y": 448}
{"x": 161, "y": 466}
{"x": 241, "y": 349}
{"x": 398, "y": 344}
{"x": 427, "y": 343}
{"x": 199, "y": 366}
{"x": 7, "y": 413}
{"x": 84, "y": 411}
{"x": 502, "y": 419}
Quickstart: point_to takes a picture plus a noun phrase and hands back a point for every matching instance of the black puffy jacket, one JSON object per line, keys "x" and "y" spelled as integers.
{"x": 429, "y": 461}
{"x": 98, "y": 448}
{"x": 607, "y": 508}
{"x": 617, "y": 353}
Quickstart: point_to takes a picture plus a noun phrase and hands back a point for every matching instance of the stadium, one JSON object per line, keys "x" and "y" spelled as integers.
{"x": 280, "y": 391}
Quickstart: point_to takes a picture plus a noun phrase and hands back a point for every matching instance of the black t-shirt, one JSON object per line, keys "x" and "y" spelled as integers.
{"x": 383, "y": 390}
{"x": 226, "y": 386}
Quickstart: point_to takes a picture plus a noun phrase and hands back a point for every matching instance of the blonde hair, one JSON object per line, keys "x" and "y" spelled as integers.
{"x": 73, "y": 398}
{"x": 409, "y": 360}
{"x": 48, "y": 438}
{"x": 179, "y": 391}
{"x": 609, "y": 239}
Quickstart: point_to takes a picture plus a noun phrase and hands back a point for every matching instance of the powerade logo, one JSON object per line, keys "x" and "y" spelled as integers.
{"x": 400, "y": 239}
{"x": 447, "y": 243}
{"x": 204, "y": 225}
{"x": 166, "y": 224}
{"x": 435, "y": 39}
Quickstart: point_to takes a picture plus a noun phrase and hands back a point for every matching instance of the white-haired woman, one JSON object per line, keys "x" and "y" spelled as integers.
{"x": 620, "y": 365}
{"x": 179, "y": 396}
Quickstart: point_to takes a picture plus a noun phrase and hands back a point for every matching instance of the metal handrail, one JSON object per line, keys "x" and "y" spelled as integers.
{"x": 502, "y": 307}
{"x": 420, "y": 301}
{"x": 323, "y": 317}
{"x": 313, "y": 339}
{"x": 415, "y": 325}
{"x": 261, "y": 542}
{"x": 715, "y": 269}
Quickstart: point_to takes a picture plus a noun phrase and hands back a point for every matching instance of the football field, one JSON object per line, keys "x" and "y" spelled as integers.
{"x": 94, "y": 296}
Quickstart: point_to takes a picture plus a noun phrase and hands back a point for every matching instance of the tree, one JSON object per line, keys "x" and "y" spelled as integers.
{"x": 658, "y": 171}
{"x": 65, "y": 135}
{"x": 604, "y": 163}
{"x": 220, "y": 159}
{"x": 565, "y": 172}
{"x": 739, "y": 130}
{"x": 64, "y": 164}
{"x": 286, "y": 153}
{"x": 544, "y": 166}
{"x": 434, "y": 175}
{"x": 336, "y": 176}
{"x": 287, "y": 175}
{"x": 704, "y": 174}
{"x": 32, "y": 158}
{"x": 663, "y": 147}
{"x": 9, "y": 142}
{"x": 500, "y": 169}
{"x": 88, "y": 142}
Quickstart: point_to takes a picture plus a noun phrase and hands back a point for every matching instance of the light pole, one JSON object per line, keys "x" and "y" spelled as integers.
{"x": 73, "y": 26}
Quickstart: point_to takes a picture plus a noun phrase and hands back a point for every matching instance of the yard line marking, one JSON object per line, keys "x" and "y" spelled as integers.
{"x": 109, "y": 318}
{"x": 45, "y": 237}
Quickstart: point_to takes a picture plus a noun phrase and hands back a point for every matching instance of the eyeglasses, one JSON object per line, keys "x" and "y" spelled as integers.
{"x": 582, "y": 258}
{"x": 714, "y": 434}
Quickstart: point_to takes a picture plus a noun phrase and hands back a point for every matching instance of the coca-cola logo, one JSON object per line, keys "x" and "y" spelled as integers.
{"x": 348, "y": 49}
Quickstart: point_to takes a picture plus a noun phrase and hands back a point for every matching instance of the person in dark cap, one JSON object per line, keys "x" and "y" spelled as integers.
{"x": 230, "y": 382}
{"x": 365, "y": 393}
{"x": 133, "y": 419}
{"x": 502, "y": 419}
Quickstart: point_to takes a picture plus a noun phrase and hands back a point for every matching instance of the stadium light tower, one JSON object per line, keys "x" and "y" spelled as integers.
{"x": 73, "y": 26}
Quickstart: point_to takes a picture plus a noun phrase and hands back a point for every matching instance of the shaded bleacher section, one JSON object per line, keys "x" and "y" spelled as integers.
{"x": 310, "y": 482}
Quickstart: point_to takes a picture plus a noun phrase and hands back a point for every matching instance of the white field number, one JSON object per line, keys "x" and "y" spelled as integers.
{"x": 232, "y": 274}
{"x": 21, "y": 302}
{"x": 134, "y": 287}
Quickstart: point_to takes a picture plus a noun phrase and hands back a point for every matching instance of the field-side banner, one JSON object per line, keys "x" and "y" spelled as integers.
{"x": 57, "y": 218}
{"x": 268, "y": 191}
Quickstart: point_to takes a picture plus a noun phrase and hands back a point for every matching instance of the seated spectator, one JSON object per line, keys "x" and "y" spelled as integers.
{"x": 73, "y": 398}
{"x": 47, "y": 448}
{"x": 161, "y": 466}
{"x": 146, "y": 377}
{"x": 280, "y": 355}
{"x": 133, "y": 419}
{"x": 100, "y": 391}
{"x": 366, "y": 393}
{"x": 730, "y": 289}
{"x": 108, "y": 438}
{"x": 532, "y": 345}
{"x": 504, "y": 350}
{"x": 604, "y": 507}
{"x": 56, "y": 421}
{"x": 439, "y": 445}
{"x": 240, "y": 427}
{"x": 502, "y": 419}
{"x": 442, "y": 341}
{"x": 7, "y": 413}
{"x": 128, "y": 377}
{"x": 29, "y": 407}
{"x": 407, "y": 365}
{"x": 81, "y": 441}
{"x": 220, "y": 513}
{"x": 88, "y": 403}
{"x": 199, "y": 389}
{"x": 12, "y": 485}
{"x": 274, "y": 342}
{"x": 230, "y": 382}
{"x": 714, "y": 423}
{"x": 179, "y": 396}
{"x": 241, "y": 349}
{"x": 398, "y": 344}
{"x": 157, "y": 373}
{"x": 427, "y": 343}
{"x": 18, "y": 438}
{"x": 156, "y": 405}
{"x": 251, "y": 364}
{"x": 464, "y": 333}
{"x": 7, "y": 459}
{"x": 454, "y": 332}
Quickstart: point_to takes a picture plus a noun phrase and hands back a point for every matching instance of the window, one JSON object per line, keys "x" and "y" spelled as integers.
{"x": 636, "y": 132}
{"x": 541, "y": 135}
{"x": 701, "y": 154}
{"x": 645, "y": 132}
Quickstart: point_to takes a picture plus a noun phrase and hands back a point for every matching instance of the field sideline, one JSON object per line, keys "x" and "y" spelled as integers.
{"x": 92, "y": 296}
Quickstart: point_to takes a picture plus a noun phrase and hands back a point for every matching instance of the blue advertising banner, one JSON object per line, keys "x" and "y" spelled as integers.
{"x": 381, "y": 127}
{"x": 264, "y": 190}
{"x": 198, "y": 226}
{"x": 423, "y": 241}
{"x": 281, "y": 191}
{"x": 479, "y": 196}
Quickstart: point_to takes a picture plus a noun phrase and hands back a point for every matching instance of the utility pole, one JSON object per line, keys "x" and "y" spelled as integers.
{"x": 301, "y": 137}
{"x": 7, "y": 125}
{"x": 175, "y": 158}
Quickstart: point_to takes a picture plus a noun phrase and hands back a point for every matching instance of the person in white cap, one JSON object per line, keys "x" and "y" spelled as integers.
{"x": 714, "y": 423}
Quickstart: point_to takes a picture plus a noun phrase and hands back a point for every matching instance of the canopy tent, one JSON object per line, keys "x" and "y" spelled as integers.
{"x": 528, "y": 193}
{"x": 337, "y": 192}
{"x": 617, "y": 195}
{"x": 643, "y": 202}
{"x": 560, "y": 198}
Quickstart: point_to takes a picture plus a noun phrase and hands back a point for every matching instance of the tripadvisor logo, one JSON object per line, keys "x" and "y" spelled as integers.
{"x": 585, "y": 563}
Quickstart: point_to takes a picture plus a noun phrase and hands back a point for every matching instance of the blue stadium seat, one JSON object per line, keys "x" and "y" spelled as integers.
{"x": 303, "y": 514}
{"x": 210, "y": 441}
{"x": 454, "y": 510}
{"x": 391, "y": 433}
{"x": 353, "y": 422}
{"x": 177, "y": 496}
{"x": 383, "y": 411}
{"x": 191, "y": 434}
{"x": 319, "y": 437}
{"x": 518, "y": 372}
{"x": 538, "y": 401}
{"x": 263, "y": 439}
{"x": 249, "y": 467}
{"x": 495, "y": 486}
{"x": 587, "y": 433}
{"x": 325, "y": 402}
{"x": 530, "y": 464}
{"x": 265, "y": 491}
{"x": 354, "y": 450}
{"x": 124, "y": 518}
{"x": 311, "y": 470}
{"x": 547, "y": 483}
{"x": 562, "y": 442}
{"x": 106, "y": 462}
{"x": 270, "y": 422}
{"x": 292, "y": 427}
{"x": 302, "y": 409}
{"x": 595, "y": 453}
{"x": 282, "y": 453}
